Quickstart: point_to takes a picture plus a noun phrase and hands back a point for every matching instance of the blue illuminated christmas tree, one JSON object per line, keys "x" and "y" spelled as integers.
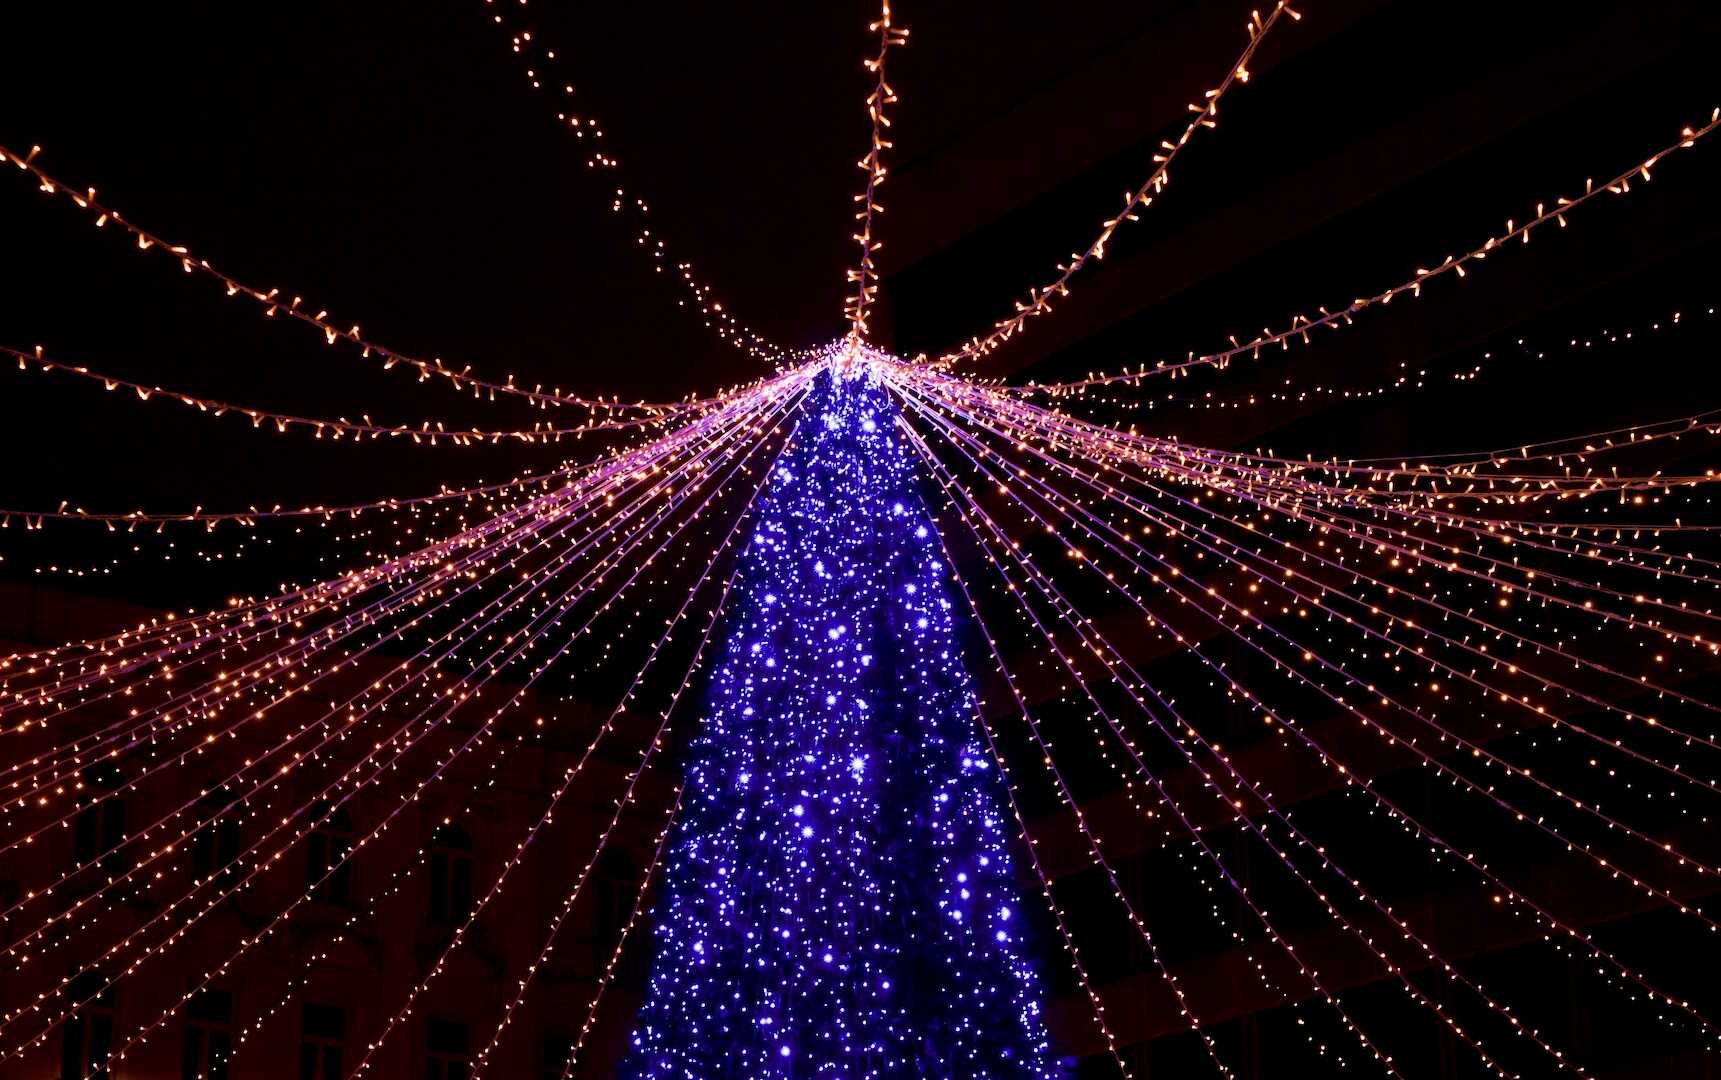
{"x": 838, "y": 901}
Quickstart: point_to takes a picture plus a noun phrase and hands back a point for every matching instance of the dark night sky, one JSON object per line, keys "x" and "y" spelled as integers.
{"x": 389, "y": 162}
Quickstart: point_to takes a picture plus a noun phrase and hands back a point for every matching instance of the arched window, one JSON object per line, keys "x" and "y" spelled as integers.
{"x": 328, "y": 875}
{"x": 322, "y": 1041}
{"x": 619, "y": 883}
{"x": 561, "y": 1059}
{"x": 86, "y": 1038}
{"x": 208, "y": 1035}
{"x": 215, "y": 845}
{"x": 450, "y": 874}
{"x": 618, "y": 891}
{"x": 101, "y": 823}
{"x": 446, "y": 1055}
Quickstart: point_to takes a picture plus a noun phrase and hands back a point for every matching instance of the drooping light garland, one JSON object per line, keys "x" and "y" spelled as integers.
{"x": 528, "y": 46}
{"x": 1039, "y": 300}
{"x": 1239, "y": 784}
{"x": 839, "y": 898}
{"x": 273, "y": 301}
{"x": 427, "y": 431}
{"x": 1300, "y": 325}
{"x": 864, "y": 276}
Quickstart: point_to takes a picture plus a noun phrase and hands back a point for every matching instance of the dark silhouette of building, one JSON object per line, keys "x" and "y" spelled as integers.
{"x": 1376, "y": 137}
{"x": 305, "y": 1001}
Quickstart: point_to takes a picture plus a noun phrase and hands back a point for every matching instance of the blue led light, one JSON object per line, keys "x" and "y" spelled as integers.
{"x": 841, "y": 836}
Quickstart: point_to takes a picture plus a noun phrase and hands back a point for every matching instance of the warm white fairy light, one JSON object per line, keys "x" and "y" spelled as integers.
{"x": 1300, "y": 326}
{"x": 1039, "y": 300}
{"x": 1414, "y": 600}
{"x": 529, "y": 47}
{"x": 274, "y": 301}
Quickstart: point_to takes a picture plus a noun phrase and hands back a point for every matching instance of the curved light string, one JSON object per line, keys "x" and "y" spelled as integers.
{"x": 274, "y": 301}
{"x": 1292, "y": 560}
{"x": 1039, "y": 300}
{"x": 323, "y": 639}
{"x": 1286, "y": 391}
{"x": 567, "y": 906}
{"x": 427, "y": 431}
{"x": 1301, "y": 325}
{"x": 643, "y": 535}
{"x": 621, "y": 940}
{"x": 1063, "y": 506}
{"x": 622, "y": 803}
{"x": 37, "y": 519}
{"x": 492, "y": 609}
{"x": 34, "y": 519}
{"x": 528, "y": 46}
{"x": 1254, "y": 478}
{"x": 148, "y": 728}
{"x": 604, "y": 478}
{"x": 1385, "y": 1059}
{"x": 1324, "y": 513}
{"x": 258, "y": 619}
{"x": 1500, "y": 633}
{"x": 1006, "y": 551}
{"x": 398, "y": 880}
{"x": 864, "y": 276}
{"x": 1069, "y": 800}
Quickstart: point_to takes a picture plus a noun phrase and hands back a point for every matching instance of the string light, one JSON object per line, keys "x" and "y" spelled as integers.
{"x": 274, "y": 301}
{"x": 864, "y": 277}
{"x": 527, "y": 581}
{"x": 1196, "y": 650}
{"x": 719, "y": 319}
{"x": 1301, "y": 325}
{"x": 1009, "y": 552}
{"x": 431, "y": 432}
{"x": 1206, "y": 115}
{"x": 838, "y": 896}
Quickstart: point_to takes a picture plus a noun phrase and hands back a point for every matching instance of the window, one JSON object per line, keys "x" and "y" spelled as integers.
{"x": 87, "y": 1036}
{"x": 445, "y": 1050}
{"x": 328, "y": 876}
{"x": 208, "y": 1035}
{"x": 618, "y": 890}
{"x": 215, "y": 845}
{"x": 101, "y": 823}
{"x": 322, "y": 1041}
{"x": 450, "y": 875}
{"x": 561, "y": 1059}
{"x": 618, "y": 885}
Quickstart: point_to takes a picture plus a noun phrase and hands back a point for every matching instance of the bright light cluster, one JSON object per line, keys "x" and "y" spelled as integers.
{"x": 839, "y": 901}
{"x": 1532, "y": 630}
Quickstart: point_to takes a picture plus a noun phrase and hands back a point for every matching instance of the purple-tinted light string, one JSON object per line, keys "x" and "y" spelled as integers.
{"x": 543, "y": 666}
{"x": 277, "y": 830}
{"x": 1480, "y": 752}
{"x": 1321, "y": 754}
{"x": 1063, "y": 607}
{"x": 951, "y": 489}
